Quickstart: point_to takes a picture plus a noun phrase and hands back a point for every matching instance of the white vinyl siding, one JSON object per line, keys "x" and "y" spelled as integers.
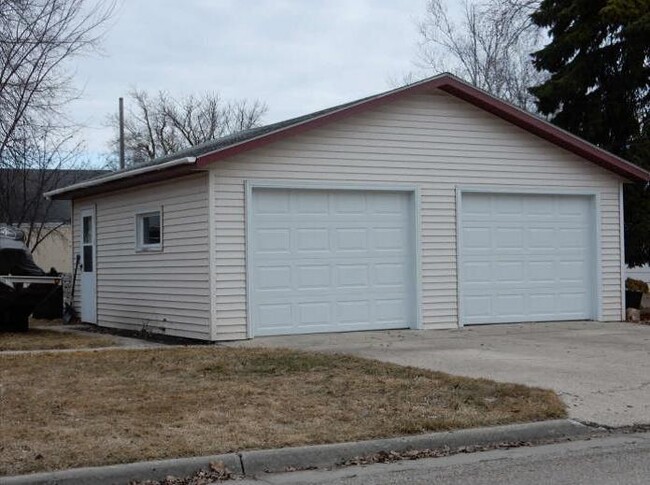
{"x": 165, "y": 291}
{"x": 436, "y": 142}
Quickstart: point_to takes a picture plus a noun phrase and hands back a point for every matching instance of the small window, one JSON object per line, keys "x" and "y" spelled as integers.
{"x": 87, "y": 230}
{"x": 149, "y": 231}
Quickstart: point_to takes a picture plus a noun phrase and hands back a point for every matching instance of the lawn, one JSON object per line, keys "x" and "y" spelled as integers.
{"x": 45, "y": 339}
{"x": 93, "y": 408}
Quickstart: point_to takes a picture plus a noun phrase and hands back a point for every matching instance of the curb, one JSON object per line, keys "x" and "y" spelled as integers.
{"x": 123, "y": 474}
{"x": 321, "y": 456}
{"x": 251, "y": 463}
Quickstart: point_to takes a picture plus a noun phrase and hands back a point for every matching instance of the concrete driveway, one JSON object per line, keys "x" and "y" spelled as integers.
{"x": 601, "y": 370}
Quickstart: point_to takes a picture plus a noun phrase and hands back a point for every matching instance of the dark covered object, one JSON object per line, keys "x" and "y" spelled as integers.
{"x": 17, "y": 262}
{"x": 15, "y": 258}
{"x": 16, "y": 304}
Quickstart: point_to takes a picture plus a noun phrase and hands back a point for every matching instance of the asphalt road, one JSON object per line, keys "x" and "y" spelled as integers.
{"x": 612, "y": 460}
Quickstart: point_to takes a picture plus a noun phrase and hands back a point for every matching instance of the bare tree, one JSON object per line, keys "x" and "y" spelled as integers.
{"x": 489, "y": 46}
{"x": 37, "y": 39}
{"x": 160, "y": 125}
{"x": 37, "y": 162}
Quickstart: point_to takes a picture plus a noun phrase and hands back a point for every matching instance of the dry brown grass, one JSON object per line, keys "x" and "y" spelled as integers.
{"x": 94, "y": 408}
{"x": 45, "y": 339}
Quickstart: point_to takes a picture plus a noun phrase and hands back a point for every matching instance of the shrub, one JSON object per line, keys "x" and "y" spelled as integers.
{"x": 636, "y": 285}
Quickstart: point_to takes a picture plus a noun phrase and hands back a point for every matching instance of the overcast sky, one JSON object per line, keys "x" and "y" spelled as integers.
{"x": 296, "y": 55}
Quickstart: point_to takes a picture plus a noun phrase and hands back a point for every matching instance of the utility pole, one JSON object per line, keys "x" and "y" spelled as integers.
{"x": 122, "y": 133}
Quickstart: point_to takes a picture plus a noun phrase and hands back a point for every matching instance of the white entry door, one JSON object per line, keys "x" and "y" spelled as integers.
{"x": 88, "y": 267}
{"x": 527, "y": 258}
{"x": 330, "y": 261}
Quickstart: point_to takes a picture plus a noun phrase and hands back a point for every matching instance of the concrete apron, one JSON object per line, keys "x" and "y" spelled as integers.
{"x": 600, "y": 370}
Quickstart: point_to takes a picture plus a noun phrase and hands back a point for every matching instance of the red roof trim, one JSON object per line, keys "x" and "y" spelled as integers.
{"x": 462, "y": 90}
{"x": 545, "y": 130}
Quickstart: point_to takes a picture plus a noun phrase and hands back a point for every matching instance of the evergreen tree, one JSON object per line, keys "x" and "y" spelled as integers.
{"x": 599, "y": 88}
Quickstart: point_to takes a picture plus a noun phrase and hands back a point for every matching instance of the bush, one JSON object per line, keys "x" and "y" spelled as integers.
{"x": 636, "y": 285}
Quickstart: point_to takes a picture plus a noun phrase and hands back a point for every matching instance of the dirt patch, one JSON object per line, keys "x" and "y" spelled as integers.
{"x": 47, "y": 339}
{"x": 96, "y": 408}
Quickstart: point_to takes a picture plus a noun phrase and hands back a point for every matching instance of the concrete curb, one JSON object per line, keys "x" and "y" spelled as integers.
{"x": 123, "y": 474}
{"x": 251, "y": 463}
{"x": 320, "y": 456}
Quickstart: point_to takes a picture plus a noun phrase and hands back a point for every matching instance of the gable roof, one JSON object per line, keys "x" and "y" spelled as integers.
{"x": 199, "y": 156}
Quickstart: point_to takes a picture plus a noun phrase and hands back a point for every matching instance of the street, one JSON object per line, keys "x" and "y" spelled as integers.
{"x": 623, "y": 459}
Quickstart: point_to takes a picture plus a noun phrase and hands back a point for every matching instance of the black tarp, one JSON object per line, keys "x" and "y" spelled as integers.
{"x": 16, "y": 304}
{"x": 15, "y": 257}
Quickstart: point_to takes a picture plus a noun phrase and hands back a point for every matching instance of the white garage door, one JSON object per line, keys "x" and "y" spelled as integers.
{"x": 526, "y": 258}
{"x": 330, "y": 261}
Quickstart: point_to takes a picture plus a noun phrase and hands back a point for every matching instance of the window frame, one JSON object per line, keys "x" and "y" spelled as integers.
{"x": 140, "y": 246}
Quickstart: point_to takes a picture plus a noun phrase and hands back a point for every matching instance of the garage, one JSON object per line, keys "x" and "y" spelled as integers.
{"x": 430, "y": 206}
{"x": 330, "y": 260}
{"x": 526, "y": 257}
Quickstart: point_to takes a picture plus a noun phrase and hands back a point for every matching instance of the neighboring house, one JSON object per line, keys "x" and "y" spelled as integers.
{"x": 430, "y": 206}
{"x": 48, "y": 222}
{"x": 639, "y": 273}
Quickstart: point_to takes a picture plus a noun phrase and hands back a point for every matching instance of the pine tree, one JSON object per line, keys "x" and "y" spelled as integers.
{"x": 599, "y": 88}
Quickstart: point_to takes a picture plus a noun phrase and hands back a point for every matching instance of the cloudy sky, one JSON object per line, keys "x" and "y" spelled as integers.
{"x": 296, "y": 55}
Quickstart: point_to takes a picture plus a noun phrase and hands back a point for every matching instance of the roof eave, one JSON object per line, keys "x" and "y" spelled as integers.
{"x": 547, "y": 131}
{"x": 121, "y": 180}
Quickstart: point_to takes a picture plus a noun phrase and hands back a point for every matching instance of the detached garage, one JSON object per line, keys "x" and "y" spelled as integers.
{"x": 430, "y": 206}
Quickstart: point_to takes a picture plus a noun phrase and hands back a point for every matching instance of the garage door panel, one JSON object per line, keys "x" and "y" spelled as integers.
{"x": 572, "y": 302}
{"x": 313, "y": 276}
{"x": 390, "y": 238}
{"x": 542, "y": 271}
{"x": 537, "y": 265}
{"x": 275, "y": 315}
{"x": 508, "y": 271}
{"x": 352, "y": 276}
{"x": 273, "y": 240}
{"x": 477, "y": 238}
{"x": 311, "y": 240}
{"x": 542, "y": 303}
{"x": 312, "y": 203}
{"x": 391, "y": 274}
{"x": 510, "y": 305}
{"x": 351, "y": 239}
{"x": 271, "y": 202}
{"x": 477, "y": 306}
{"x": 392, "y": 310}
{"x": 570, "y": 272}
{"x": 314, "y": 313}
{"x": 477, "y": 271}
{"x": 274, "y": 277}
{"x": 337, "y": 260}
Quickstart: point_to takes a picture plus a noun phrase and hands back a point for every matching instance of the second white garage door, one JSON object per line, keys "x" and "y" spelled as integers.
{"x": 526, "y": 258}
{"x": 330, "y": 261}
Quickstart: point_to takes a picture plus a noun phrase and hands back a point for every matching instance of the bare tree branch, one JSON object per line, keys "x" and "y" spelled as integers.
{"x": 37, "y": 39}
{"x": 160, "y": 125}
{"x": 489, "y": 46}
